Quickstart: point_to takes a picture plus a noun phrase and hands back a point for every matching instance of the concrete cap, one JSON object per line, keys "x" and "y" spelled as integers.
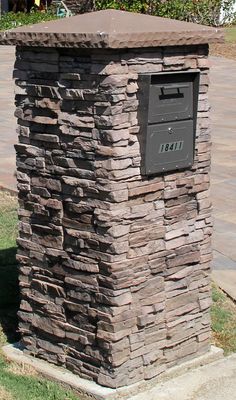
{"x": 111, "y": 29}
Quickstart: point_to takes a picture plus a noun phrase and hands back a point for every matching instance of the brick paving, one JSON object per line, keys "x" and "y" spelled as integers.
{"x": 7, "y": 120}
{"x": 223, "y": 184}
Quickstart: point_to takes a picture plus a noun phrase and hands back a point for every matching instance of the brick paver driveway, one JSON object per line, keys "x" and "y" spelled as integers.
{"x": 223, "y": 100}
{"x": 7, "y": 121}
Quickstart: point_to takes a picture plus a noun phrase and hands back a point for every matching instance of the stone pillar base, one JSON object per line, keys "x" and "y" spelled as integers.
{"x": 91, "y": 390}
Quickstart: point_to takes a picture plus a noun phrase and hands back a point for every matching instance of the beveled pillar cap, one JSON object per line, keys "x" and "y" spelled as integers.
{"x": 111, "y": 29}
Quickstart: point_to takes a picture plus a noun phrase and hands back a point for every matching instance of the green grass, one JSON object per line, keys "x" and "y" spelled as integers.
{"x": 8, "y": 220}
{"x": 31, "y": 388}
{"x": 230, "y": 34}
{"x": 228, "y": 48}
{"x": 8, "y": 228}
{"x": 12, "y": 20}
{"x": 223, "y": 314}
{"x": 26, "y": 387}
{"x": 15, "y": 384}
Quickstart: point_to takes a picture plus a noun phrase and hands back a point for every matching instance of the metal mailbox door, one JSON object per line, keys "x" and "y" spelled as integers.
{"x": 169, "y": 146}
{"x": 170, "y": 100}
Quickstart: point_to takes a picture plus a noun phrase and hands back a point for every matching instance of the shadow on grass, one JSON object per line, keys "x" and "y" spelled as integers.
{"x": 9, "y": 294}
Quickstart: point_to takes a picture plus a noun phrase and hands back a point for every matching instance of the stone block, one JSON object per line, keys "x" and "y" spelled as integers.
{"x": 113, "y": 264}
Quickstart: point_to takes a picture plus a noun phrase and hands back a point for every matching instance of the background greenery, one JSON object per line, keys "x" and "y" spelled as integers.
{"x": 200, "y": 11}
{"x": 12, "y": 20}
{"x": 205, "y": 12}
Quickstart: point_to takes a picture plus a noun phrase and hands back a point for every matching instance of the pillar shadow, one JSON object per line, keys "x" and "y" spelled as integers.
{"x": 9, "y": 294}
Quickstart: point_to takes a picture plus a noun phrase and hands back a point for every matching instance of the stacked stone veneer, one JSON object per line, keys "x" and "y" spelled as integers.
{"x": 114, "y": 266}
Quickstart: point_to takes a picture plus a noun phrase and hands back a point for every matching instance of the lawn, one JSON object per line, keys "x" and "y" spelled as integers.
{"x": 227, "y": 49}
{"x": 8, "y": 228}
{"x": 21, "y": 383}
{"x": 223, "y": 315}
{"x": 230, "y": 34}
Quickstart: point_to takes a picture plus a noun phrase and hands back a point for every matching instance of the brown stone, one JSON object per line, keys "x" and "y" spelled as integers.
{"x": 114, "y": 264}
{"x": 112, "y": 29}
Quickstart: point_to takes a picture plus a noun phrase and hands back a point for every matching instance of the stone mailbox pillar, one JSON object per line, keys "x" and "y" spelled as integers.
{"x": 114, "y": 253}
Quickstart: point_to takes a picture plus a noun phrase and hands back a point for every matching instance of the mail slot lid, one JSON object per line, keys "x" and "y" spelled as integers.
{"x": 169, "y": 146}
{"x": 170, "y": 98}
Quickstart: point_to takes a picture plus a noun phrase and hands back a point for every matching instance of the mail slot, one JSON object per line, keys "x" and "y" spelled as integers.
{"x": 170, "y": 100}
{"x": 168, "y": 112}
